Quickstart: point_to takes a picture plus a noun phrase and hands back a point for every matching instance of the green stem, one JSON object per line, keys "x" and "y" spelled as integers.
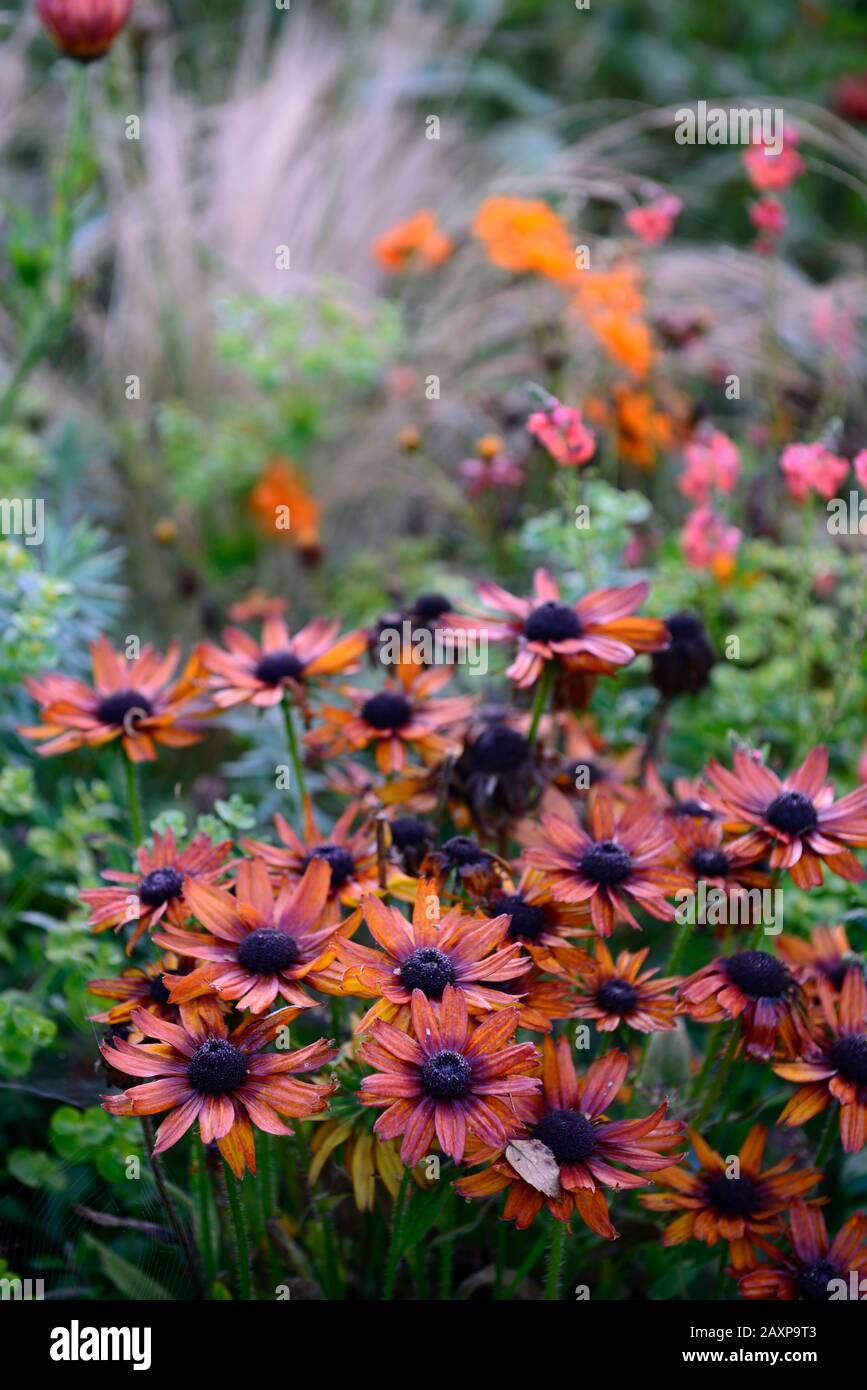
{"x": 294, "y": 751}
{"x": 715, "y": 1032}
{"x": 719, "y": 1080}
{"x": 543, "y": 689}
{"x": 332, "y": 1271}
{"x": 393, "y": 1257}
{"x": 555, "y": 1262}
{"x": 206, "y": 1235}
{"x": 679, "y": 947}
{"x": 53, "y": 314}
{"x": 180, "y": 1232}
{"x": 801, "y": 634}
{"x": 133, "y": 801}
{"x": 720, "y": 1272}
{"x": 527, "y": 1265}
{"x": 447, "y": 1248}
{"x": 267, "y": 1199}
{"x": 827, "y": 1140}
{"x": 500, "y": 1264}
{"x": 242, "y": 1253}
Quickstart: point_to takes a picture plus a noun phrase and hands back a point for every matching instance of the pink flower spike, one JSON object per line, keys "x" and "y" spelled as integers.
{"x": 812, "y": 468}
{"x": 713, "y": 464}
{"x": 708, "y": 542}
{"x": 655, "y": 221}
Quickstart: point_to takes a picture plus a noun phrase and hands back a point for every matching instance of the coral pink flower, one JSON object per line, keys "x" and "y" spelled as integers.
{"x": 561, "y": 430}
{"x": 860, "y": 465}
{"x": 812, "y": 467}
{"x": 655, "y": 221}
{"x": 708, "y": 542}
{"x": 770, "y": 172}
{"x": 712, "y": 464}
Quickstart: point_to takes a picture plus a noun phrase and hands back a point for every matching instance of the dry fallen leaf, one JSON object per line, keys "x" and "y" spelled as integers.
{"x": 536, "y": 1165}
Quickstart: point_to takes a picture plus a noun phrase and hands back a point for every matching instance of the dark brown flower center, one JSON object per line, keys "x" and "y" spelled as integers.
{"x": 834, "y": 968}
{"x": 160, "y": 886}
{"x": 268, "y": 950}
{"x": 158, "y": 992}
{"x": 849, "y": 1056}
{"x": 605, "y": 862}
{"x": 732, "y": 1196}
{"x": 387, "y": 710}
{"x": 684, "y": 666}
{"x": 429, "y": 970}
{"x": 527, "y": 919}
{"x": 814, "y": 1279}
{"x": 617, "y": 996}
{"x": 428, "y": 607}
{"x": 552, "y": 622}
{"x": 461, "y": 850}
{"x": 570, "y": 1136}
{"x": 113, "y": 709}
{"x": 793, "y": 813}
{"x": 279, "y": 666}
{"x": 757, "y": 974}
{"x": 216, "y": 1066}
{"x": 710, "y": 863}
{"x": 692, "y": 808}
{"x": 338, "y": 859}
{"x": 499, "y": 750}
{"x": 446, "y": 1075}
{"x": 407, "y": 832}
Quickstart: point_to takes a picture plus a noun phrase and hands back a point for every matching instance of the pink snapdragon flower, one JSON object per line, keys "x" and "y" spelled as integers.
{"x": 769, "y": 172}
{"x": 812, "y": 468}
{"x": 655, "y": 221}
{"x": 708, "y": 542}
{"x": 561, "y": 430}
{"x": 713, "y": 464}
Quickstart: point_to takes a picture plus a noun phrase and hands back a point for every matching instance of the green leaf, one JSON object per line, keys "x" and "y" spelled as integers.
{"x": 424, "y": 1208}
{"x": 36, "y": 1169}
{"x": 129, "y": 1280}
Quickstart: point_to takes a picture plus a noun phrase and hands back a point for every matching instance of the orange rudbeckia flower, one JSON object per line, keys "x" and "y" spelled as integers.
{"x": 741, "y": 1208}
{"x": 137, "y": 701}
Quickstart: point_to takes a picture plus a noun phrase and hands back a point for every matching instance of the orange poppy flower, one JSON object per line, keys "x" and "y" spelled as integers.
{"x": 526, "y": 236}
{"x": 417, "y": 244}
{"x": 281, "y": 495}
